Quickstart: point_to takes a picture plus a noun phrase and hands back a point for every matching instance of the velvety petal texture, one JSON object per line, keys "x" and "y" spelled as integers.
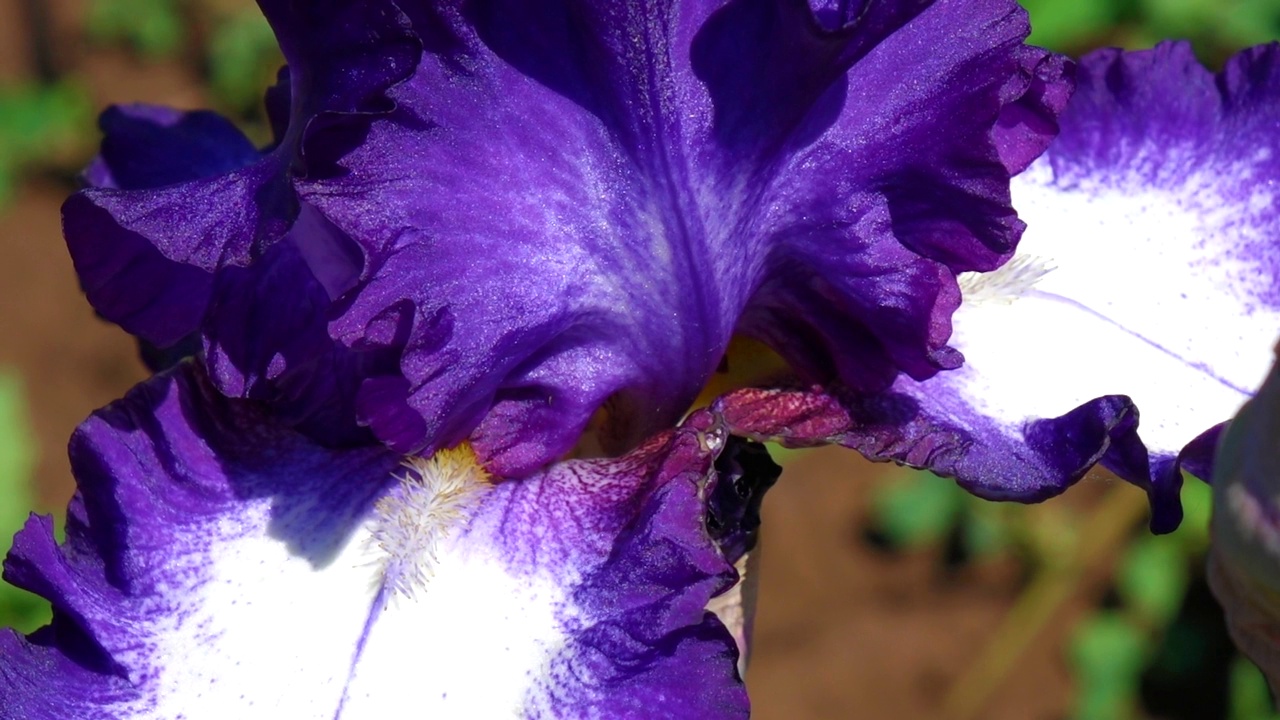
{"x": 1244, "y": 559}
{"x": 1148, "y": 277}
{"x": 191, "y": 238}
{"x": 287, "y": 357}
{"x": 506, "y": 215}
{"x": 218, "y": 564}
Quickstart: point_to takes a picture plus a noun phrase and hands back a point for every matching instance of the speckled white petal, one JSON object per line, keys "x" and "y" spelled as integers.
{"x": 1159, "y": 288}
{"x": 1148, "y": 279}
{"x": 1150, "y": 267}
{"x": 218, "y": 565}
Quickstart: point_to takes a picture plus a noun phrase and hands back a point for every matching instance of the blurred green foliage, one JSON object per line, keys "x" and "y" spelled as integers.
{"x": 1216, "y": 27}
{"x": 39, "y": 123}
{"x": 51, "y": 125}
{"x": 236, "y": 57}
{"x": 1141, "y": 630}
{"x": 1108, "y": 654}
{"x": 1250, "y": 697}
{"x": 243, "y": 57}
{"x": 1057, "y": 24}
{"x": 921, "y": 508}
{"x": 153, "y": 27}
{"x": 18, "y": 608}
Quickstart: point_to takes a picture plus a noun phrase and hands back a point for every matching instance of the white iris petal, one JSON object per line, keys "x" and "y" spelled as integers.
{"x": 1105, "y": 305}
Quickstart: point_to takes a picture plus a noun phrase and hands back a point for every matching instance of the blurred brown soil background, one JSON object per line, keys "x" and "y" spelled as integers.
{"x": 844, "y": 630}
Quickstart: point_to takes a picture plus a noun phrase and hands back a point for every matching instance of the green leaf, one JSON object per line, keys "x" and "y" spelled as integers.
{"x": 8, "y": 183}
{"x": 1247, "y": 23}
{"x": 39, "y": 124}
{"x": 17, "y": 457}
{"x": 35, "y": 119}
{"x": 1250, "y": 698}
{"x": 243, "y": 57}
{"x": 1179, "y": 18}
{"x": 18, "y": 608}
{"x": 985, "y": 528}
{"x": 785, "y": 455}
{"x": 918, "y": 508}
{"x": 1152, "y": 578}
{"x": 1060, "y": 25}
{"x": 1197, "y": 506}
{"x": 1107, "y": 656}
{"x": 154, "y": 27}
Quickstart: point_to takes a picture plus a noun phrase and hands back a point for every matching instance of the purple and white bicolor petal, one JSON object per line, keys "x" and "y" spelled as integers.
{"x": 558, "y": 205}
{"x": 1244, "y": 559}
{"x": 219, "y": 564}
{"x": 1148, "y": 277}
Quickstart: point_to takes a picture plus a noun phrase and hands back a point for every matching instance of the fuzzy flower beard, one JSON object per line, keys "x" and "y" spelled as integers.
{"x": 483, "y": 222}
{"x": 219, "y": 564}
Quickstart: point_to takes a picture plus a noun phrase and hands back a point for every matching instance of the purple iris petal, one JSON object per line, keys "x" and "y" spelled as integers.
{"x": 1244, "y": 560}
{"x": 289, "y": 358}
{"x": 186, "y": 215}
{"x": 148, "y": 146}
{"x": 1046, "y": 457}
{"x": 567, "y": 204}
{"x": 127, "y": 277}
{"x": 219, "y": 564}
{"x": 1149, "y": 277}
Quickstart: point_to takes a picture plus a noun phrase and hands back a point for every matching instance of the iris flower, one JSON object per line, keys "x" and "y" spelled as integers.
{"x": 492, "y": 234}
{"x": 487, "y": 221}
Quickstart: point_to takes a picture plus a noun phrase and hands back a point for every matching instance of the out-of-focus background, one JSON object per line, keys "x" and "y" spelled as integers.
{"x": 885, "y": 594}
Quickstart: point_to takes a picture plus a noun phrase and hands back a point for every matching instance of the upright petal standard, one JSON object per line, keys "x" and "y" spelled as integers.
{"x": 501, "y": 216}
